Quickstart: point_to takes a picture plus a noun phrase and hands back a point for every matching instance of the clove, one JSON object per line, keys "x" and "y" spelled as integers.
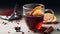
{"x": 58, "y": 30}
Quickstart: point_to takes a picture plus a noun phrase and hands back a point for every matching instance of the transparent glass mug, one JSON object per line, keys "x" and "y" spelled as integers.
{"x": 33, "y": 23}
{"x": 49, "y": 11}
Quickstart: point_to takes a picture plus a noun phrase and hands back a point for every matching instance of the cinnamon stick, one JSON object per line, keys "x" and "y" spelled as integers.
{"x": 48, "y": 30}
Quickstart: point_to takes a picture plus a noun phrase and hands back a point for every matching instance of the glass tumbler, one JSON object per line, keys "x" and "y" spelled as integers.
{"x": 33, "y": 23}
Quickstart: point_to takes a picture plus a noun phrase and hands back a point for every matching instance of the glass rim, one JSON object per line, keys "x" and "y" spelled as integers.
{"x": 50, "y": 11}
{"x": 35, "y": 16}
{"x": 31, "y": 4}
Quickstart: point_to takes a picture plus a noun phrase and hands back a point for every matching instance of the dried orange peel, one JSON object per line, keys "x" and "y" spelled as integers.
{"x": 36, "y": 11}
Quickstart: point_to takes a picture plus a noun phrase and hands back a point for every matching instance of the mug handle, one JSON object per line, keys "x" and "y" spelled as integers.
{"x": 49, "y": 11}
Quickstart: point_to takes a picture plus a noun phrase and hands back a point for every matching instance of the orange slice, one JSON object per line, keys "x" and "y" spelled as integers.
{"x": 48, "y": 16}
{"x": 54, "y": 19}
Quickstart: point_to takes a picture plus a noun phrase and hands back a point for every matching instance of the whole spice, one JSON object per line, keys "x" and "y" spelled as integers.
{"x": 17, "y": 23}
{"x": 5, "y": 23}
{"x": 28, "y": 31}
{"x": 17, "y": 29}
{"x": 8, "y": 32}
{"x": 48, "y": 30}
{"x": 22, "y": 32}
{"x": 58, "y": 30}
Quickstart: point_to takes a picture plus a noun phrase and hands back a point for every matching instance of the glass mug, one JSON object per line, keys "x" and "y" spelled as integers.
{"x": 34, "y": 23}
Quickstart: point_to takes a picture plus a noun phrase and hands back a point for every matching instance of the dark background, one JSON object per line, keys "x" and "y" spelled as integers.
{"x": 50, "y": 4}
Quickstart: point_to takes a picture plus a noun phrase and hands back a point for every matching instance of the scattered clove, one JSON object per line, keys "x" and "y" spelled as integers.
{"x": 17, "y": 23}
{"x": 58, "y": 30}
{"x": 8, "y": 32}
{"x": 48, "y": 30}
{"x": 5, "y": 23}
{"x": 17, "y": 29}
{"x": 22, "y": 32}
{"x": 28, "y": 31}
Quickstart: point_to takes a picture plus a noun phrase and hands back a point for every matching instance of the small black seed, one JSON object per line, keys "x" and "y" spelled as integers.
{"x": 17, "y": 23}
{"x": 28, "y": 31}
{"x": 22, "y": 32}
{"x": 58, "y": 29}
{"x": 8, "y": 32}
{"x": 17, "y": 29}
{"x": 5, "y": 23}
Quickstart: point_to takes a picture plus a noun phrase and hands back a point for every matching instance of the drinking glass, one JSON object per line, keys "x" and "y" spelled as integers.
{"x": 35, "y": 22}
